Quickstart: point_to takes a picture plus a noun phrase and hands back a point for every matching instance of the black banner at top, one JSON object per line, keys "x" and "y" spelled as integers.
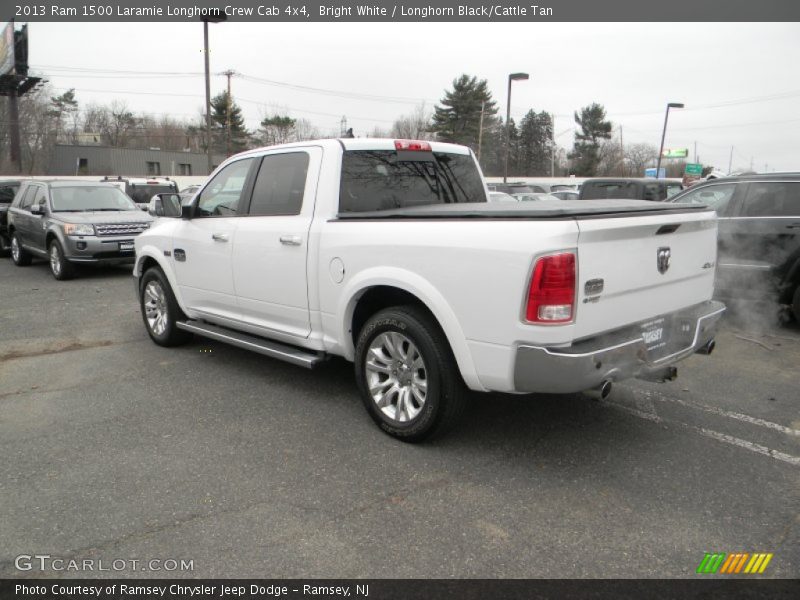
{"x": 265, "y": 11}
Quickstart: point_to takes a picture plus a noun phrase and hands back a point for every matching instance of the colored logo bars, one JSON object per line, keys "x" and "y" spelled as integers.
{"x": 739, "y": 562}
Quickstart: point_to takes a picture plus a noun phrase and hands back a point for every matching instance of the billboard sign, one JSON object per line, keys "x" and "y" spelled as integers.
{"x": 675, "y": 153}
{"x": 7, "y": 50}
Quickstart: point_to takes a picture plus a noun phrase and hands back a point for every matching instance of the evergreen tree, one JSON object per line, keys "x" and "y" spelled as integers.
{"x": 62, "y": 109}
{"x": 458, "y": 118}
{"x": 238, "y": 136}
{"x": 277, "y": 129}
{"x": 594, "y": 128}
{"x": 535, "y": 135}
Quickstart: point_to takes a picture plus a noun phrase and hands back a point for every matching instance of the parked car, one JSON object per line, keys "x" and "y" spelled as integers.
{"x": 510, "y": 188}
{"x": 633, "y": 189}
{"x": 387, "y": 253}
{"x": 534, "y": 197}
{"x": 73, "y": 222}
{"x": 188, "y": 193}
{"x": 759, "y": 235}
{"x": 501, "y": 197}
{"x": 566, "y": 194}
{"x": 142, "y": 189}
{"x": 8, "y": 189}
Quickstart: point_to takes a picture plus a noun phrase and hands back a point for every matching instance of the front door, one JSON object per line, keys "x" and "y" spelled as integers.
{"x": 202, "y": 246}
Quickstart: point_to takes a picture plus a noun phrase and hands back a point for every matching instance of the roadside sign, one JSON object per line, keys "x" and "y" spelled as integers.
{"x": 675, "y": 153}
{"x": 651, "y": 172}
{"x": 694, "y": 169}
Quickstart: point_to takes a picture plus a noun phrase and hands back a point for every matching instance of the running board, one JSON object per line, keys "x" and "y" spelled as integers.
{"x": 290, "y": 354}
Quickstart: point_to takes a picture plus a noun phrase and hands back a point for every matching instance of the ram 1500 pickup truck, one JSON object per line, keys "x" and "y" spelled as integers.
{"x": 387, "y": 253}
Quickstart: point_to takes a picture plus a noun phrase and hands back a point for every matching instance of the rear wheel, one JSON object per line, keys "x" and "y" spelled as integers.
{"x": 160, "y": 310}
{"x": 60, "y": 267}
{"x": 407, "y": 375}
{"x": 19, "y": 255}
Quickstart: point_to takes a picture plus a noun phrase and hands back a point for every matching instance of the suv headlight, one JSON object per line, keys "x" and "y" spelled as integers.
{"x": 78, "y": 229}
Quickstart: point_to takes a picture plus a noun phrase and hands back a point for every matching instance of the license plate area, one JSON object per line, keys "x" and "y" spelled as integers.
{"x": 126, "y": 247}
{"x": 656, "y": 334}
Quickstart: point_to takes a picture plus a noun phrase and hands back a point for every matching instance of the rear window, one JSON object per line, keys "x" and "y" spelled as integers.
{"x": 7, "y": 192}
{"x": 385, "y": 179}
{"x": 618, "y": 190}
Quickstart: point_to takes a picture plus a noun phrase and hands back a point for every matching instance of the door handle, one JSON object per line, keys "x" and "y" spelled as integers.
{"x": 291, "y": 240}
{"x": 219, "y": 237}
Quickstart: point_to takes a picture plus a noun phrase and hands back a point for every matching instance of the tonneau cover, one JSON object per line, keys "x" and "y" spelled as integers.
{"x": 542, "y": 209}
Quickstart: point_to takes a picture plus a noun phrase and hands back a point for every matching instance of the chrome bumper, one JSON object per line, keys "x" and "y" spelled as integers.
{"x": 615, "y": 356}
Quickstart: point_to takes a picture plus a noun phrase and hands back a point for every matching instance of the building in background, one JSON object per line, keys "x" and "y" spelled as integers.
{"x": 104, "y": 160}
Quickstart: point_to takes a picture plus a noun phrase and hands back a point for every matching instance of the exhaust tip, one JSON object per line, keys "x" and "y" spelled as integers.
{"x": 708, "y": 348}
{"x": 600, "y": 392}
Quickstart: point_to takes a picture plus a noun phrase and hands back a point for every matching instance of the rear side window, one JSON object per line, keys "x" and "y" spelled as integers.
{"x": 381, "y": 180}
{"x": 280, "y": 185}
{"x": 717, "y": 197}
{"x": 772, "y": 199}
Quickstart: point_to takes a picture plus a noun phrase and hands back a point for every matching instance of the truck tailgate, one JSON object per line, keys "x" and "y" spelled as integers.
{"x": 649, "y": 265}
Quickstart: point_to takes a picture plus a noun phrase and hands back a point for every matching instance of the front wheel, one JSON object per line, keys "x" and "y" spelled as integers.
{"x": 407, "y": 375}
{"x": 60, "y": 267}
{"x": 160, "y": 310}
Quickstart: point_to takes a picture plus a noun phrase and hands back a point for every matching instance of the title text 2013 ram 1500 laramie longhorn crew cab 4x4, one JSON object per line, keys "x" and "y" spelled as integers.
{"x": 386, "y": 252}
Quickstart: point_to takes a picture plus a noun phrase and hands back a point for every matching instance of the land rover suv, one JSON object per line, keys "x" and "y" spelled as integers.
{"x": 759, "y": 235}
{"x": 72, "y": 222}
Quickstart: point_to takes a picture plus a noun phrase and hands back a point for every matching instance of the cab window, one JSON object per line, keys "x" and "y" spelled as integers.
{"x": 717, "y": 197}
{"x": 222, "y": 197}
{"x": 280, "y": 185}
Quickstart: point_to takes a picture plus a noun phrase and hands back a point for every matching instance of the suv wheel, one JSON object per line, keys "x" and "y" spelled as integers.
{"x": 5, "y": 246}
{"x": 60, "y": 267}
{"x": 19, "y": 255}
{"x": 407, "y": 375}
{"x": 160, "y": 309}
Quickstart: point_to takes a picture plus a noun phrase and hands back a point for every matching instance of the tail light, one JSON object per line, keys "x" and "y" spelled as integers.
{"x": 551, "y": 297}
{"x": 415, "y": 145}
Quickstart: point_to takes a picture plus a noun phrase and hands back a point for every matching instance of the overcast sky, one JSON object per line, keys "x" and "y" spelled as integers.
{"x": 737, "y": 80}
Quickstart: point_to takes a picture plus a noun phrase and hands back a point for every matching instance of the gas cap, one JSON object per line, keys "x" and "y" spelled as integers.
{"x": 337, "y": 270}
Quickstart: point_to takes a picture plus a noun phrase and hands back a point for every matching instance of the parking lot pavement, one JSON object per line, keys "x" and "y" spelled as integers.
{"x": 115, "y": 448}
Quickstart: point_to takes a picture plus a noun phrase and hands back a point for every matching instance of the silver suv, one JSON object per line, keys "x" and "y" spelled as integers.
{"x": 71, "y": 222}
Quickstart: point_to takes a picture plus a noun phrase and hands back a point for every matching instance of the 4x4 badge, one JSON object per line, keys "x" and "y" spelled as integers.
{"x": 662, "y": 259}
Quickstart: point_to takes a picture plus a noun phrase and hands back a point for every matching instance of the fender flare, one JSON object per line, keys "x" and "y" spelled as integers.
{"x": 425, "y": 292}
{"x": 158, "y": 256}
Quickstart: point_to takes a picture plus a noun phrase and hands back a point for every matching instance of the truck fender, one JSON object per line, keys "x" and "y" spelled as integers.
{"x": 422, "y": 289}
{"x": 158, "y": 255}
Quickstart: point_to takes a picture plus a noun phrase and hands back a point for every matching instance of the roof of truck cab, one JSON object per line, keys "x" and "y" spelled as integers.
{"x": 355, "y": 144}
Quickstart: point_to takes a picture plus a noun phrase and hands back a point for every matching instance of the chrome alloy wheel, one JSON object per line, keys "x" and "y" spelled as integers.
{"x": 155, "y": 307}
{"x": 55, "y": 260}
{"x": 396, "y": 376}
{"x": 15, "y": 249}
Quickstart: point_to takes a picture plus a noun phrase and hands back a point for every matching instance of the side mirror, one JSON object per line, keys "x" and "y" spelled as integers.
{"x": 38, "y": 209}
{"x": 165, "y": 205}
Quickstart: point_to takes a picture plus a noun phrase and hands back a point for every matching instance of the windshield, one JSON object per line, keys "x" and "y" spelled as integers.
{"x": 144, "y": 193}
{"x": 386, "y": 179}
{"x": 85, "y": 198}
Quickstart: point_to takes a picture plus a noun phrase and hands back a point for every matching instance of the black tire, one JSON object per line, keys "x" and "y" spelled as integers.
{"x": 796, "y": 304}
{"x": 5, "y": 246}
{"x": 445, "y": 390}
{"x": 60, "y": 267}
{"x": 171, "y": 335}
{"x": 21, "y": 257}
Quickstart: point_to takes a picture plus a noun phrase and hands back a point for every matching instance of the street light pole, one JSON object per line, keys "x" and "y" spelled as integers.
{"x": 664, "y": 134}
{"x": 217, "y": 17}
{"x": 511, "y": 77}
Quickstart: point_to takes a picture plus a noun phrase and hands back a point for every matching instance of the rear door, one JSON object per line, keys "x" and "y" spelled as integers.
{"x": 23, "y": 219}
{"x": 271, "y": 248}
{"x": 764, "y": 234}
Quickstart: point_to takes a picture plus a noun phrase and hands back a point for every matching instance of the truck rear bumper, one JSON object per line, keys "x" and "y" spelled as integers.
{"x": 645, "y": 350}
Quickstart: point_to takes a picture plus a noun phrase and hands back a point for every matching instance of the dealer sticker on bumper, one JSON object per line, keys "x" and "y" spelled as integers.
{"x": 126, "y": 246}
{"x": 655, "y": 333}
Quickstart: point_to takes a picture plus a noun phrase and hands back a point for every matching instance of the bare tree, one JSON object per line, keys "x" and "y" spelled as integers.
{"x": 609, "y": 158}
{"x": 638, "y": 157}
{"x": 414, "y": 126}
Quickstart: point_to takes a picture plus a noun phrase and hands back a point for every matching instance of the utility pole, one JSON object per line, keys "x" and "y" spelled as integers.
{"x": 695, "y": 152}
{"x": 480, "y": 131}
{"x": 730, "y": 162}
{"x": 229, "y": 104}
{"x": 343, "y": 126}
{"x": 622, "y": 151}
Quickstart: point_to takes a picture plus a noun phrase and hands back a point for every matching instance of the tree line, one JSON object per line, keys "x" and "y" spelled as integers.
{"x": 466, "y": 114}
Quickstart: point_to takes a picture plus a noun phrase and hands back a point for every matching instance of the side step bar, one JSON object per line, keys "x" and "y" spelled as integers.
{"x": 290, "y": 354}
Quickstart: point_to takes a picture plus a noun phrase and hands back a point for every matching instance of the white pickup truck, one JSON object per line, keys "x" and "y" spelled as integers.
{"x": 387, "y": 253}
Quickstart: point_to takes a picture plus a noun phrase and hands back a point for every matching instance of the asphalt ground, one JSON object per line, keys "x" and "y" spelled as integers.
{"x": 115, "y": 448}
